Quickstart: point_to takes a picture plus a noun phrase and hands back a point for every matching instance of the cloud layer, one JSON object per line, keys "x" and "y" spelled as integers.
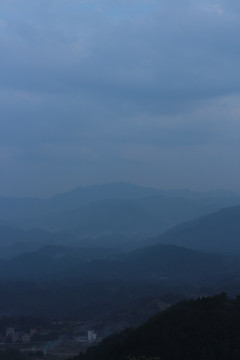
{"x": 142, "y": 91}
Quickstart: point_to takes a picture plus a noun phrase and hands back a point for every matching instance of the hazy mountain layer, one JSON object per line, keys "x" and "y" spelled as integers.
{"x": 118, "y": 208}
{"x": 28, "y": 207}
{"x": 147, "y": 216}
{"x": 166, "y": 265}
{"x": 216, "y": 232}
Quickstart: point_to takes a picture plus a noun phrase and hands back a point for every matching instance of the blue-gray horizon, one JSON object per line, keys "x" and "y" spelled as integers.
{"x": 145, "y": 92}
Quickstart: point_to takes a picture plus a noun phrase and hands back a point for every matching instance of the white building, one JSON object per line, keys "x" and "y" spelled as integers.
{"x": 92, "y": 336}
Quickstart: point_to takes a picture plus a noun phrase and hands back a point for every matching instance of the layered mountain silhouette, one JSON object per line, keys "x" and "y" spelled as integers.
{"x": 215, "y": 232}
{"x": 163, "y": 264}
{"x": 113, "y": 208}
{"x": 28, "y": 207}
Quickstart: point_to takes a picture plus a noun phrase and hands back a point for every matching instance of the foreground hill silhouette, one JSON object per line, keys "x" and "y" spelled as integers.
{"x": 207, "y": 328}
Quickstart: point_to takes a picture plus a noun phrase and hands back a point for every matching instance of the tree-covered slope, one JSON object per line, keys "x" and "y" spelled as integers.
{"x": 207, "y": 328}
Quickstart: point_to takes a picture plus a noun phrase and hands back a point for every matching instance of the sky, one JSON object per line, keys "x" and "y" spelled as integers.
{"x": 143, "y": 91}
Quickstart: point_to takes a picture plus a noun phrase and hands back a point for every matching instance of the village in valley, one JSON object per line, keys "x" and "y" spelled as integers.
{"x": 59, "y": 340}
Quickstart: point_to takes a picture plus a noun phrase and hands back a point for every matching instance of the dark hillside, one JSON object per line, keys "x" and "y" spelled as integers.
{"x": 163, "y": 264}
{"x": 207, "y": 328}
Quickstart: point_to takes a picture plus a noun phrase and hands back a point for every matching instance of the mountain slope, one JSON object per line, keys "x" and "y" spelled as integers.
{"x": 215, "y": 232}
{"x": 163, "y": 264}
{"x": 28, "y": 207}
{"x": 113, "y": 208}
{"x": 149, "y": 215}
{"x": 206, "y": 328}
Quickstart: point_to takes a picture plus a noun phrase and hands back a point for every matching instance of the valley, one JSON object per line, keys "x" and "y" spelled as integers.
{"x": 110, "y": 262}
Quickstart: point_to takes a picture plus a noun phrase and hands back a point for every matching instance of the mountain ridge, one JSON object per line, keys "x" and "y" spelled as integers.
{"x": 219, "y": 231}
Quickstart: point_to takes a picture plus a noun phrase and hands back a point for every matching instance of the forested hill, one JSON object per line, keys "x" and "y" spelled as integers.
{"x": 206, "y": 328}
{"x": 166, "y": 264}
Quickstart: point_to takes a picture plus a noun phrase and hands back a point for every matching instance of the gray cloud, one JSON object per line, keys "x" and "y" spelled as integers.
{"x": 175, "y": 51}
{"x": 93, "y": 92}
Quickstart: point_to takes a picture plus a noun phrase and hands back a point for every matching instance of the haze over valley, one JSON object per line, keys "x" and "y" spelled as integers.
{"x": 109, "y": 256}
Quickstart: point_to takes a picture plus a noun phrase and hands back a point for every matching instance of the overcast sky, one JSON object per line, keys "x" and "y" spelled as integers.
{"x": 95, "y": 91}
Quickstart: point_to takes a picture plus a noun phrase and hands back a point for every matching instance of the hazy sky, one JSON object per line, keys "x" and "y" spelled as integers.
{"x": 134, "y": 90}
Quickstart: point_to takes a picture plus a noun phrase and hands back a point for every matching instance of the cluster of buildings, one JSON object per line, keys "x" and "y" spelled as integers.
{"x": 90, "y": 338}
{"x": 13, "y": 336}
